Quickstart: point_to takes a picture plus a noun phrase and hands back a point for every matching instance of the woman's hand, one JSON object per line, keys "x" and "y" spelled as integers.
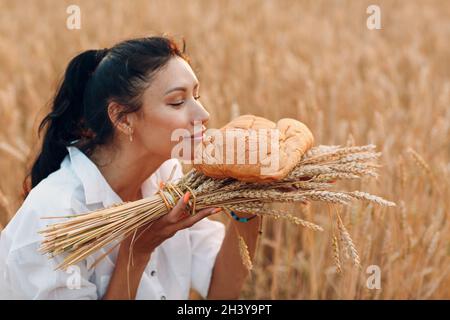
{"x": 150, "y": 236}
{"x": 147, "y": 238}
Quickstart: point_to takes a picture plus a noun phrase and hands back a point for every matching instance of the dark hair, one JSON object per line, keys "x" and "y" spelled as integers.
{"x": 91, "y": 81}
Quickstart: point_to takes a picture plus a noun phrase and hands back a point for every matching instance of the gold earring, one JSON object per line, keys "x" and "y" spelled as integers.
{"x": 131, "y": 134}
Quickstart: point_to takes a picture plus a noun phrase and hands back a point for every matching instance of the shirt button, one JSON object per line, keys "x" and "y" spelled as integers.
{"x": 153, "y": 273}
{"x": 163, "y": 297}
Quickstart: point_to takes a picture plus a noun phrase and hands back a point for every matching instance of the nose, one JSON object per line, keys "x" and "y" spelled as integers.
{"x": 200, "y": 115}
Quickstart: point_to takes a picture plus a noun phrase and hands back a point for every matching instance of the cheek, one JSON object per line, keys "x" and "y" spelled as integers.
{"x": 171, "y": 120}
{"x": 158, "y": 129}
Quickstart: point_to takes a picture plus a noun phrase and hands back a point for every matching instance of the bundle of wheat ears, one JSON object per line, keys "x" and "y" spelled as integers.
{"x": 311, "y": 179}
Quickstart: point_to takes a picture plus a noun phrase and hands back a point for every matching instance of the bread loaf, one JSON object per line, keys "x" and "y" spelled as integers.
{"x": 253, "y": 149}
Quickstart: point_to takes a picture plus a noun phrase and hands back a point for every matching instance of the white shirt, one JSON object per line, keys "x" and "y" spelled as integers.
{"x": 186, "y": 260}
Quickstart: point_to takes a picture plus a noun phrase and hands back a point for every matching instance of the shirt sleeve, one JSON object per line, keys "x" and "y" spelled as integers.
{"x": 27, "y": 273}
{"x": 206, "y": 237}
{"x": 31, "y": 275}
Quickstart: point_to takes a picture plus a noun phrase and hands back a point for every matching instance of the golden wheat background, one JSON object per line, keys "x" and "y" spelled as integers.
{"x": 311, "y": 60}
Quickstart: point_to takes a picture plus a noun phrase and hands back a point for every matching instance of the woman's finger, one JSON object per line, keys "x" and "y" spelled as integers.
{"x": 188, "y": 222}
{"x": 178, "y": 211}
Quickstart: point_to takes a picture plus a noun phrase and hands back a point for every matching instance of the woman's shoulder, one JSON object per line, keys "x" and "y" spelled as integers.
{"x": 55, "y": 191}
{"x": 52, "y": 197}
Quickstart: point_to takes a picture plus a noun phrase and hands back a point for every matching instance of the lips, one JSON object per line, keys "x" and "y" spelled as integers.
{"x": 197, "y": 136}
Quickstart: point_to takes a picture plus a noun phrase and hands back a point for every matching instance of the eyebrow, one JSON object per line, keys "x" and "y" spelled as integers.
{"x": 180, "y": 89}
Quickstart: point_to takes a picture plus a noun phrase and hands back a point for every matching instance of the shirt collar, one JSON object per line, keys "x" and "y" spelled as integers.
{"x": 96, "y": 188}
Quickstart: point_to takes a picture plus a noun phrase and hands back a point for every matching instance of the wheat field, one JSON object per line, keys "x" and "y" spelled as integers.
{"x": 312, "y": 60}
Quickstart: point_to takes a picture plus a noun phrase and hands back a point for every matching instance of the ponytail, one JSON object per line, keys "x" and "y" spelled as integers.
{"x": 64, "y": 123}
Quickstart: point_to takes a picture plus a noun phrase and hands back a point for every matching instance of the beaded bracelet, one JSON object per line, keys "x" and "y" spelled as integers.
{"x": 237, "y": 218}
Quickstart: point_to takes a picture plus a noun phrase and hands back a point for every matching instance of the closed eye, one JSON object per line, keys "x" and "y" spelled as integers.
{"x": 181, "y": 102}
{"x": 176, "y": 104}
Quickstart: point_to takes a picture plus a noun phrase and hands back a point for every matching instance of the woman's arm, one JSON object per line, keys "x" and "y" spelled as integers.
{"x": 229, "y": 273}
{"x": 125, "y": 272}
{"x": 126, "y": 277}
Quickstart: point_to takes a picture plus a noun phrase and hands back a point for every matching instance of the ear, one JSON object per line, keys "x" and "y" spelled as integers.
{"x": 121, "y": 123}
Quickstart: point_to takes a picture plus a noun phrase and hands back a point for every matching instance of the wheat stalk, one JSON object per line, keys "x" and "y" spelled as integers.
{"x": 245, "y": 255}
{"x": 347, "y": 240}
{"x": 336, "y": 256}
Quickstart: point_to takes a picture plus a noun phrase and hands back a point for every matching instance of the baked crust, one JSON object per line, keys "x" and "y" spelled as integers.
{"x": 219, "y": 153}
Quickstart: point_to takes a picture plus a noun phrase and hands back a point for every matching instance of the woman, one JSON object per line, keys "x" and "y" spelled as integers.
{"x": 108, "y": 140}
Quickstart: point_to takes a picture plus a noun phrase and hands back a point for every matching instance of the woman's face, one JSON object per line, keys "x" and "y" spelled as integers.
{"x": 170, "y": 103}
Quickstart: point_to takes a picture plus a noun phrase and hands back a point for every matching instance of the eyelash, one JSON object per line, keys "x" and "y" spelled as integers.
{"x": 180, "y": 103}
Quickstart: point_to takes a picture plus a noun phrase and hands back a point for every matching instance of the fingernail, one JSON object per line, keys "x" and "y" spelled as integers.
{"x": 186, "y": 197}
{"x": 216, "y": 210}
